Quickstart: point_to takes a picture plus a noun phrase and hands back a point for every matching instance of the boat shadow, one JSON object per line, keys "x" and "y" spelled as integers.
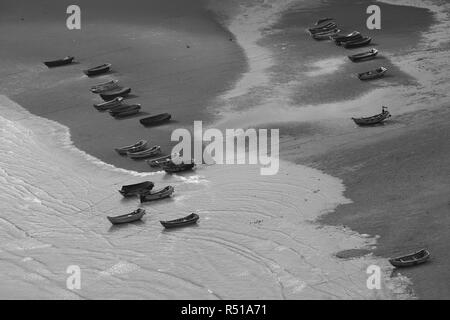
{"x": 65, "y": 65}
{"x": 140, "y": 114}
{"x": 165, "y": 123}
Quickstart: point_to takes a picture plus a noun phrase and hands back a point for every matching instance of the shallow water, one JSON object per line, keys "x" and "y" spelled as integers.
{"x": 255, "y": 238}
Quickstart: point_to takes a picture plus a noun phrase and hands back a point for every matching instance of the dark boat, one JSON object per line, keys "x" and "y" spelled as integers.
{"x": 367, "y": 55}
{"x": 138, "y": 146}
{"x": 119, "y": 92}
{"x": 98, "y": 70}
{"x": 59, "y": 62}
{"x": 322, "y": 20}
{"x": 171, "y": 167}
{"x": 155, "y": 120}
{"x": 325, "y": 35}
{"x": 125, "y": 111}
{"x": 341, "y": 39}
{"x": 190, "y": 219}
{"x": 105, "y": 86}
{"x": 109, "y": 104}
{"x": 357, "y": 43}
{"x": 411, "y": 259}
{"x": 129, "y": 217}
{"x": 136, "y": 189}
{"x": 323, "y": 27}
{"x": 157, "y": 194}
{"x": 153, "y": 151}
{"x": 159, "y": 161}
{"x": 374, "y": 119}
{"x": 373, "y": 74}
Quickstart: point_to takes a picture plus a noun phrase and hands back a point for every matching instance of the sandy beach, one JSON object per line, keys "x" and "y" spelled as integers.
{"x": 345, "y": 197}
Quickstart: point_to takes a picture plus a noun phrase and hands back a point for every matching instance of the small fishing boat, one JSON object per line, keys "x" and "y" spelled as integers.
{"x": 325, "y": 35}
{"x": 109, "y": 104}
{"x": 411, "y": 259}
{"x": 112, "y": 94}
{"x": 127, "y": 218}
{"x": 367, "y": 55}
{"x": 154, "y": 151}
{"x": 106, "y": 86}
{"x": 155, "y": 120}
{"x": 159, "y": 161}
{"x": 125, "y": 110}
{"x": 136, "y": 189}
{"x": 357, "y": 43}
{"x": 322, "y": 20}
{"x": 138, "y": 146}
{"x": 171, "y": 167}
{"x": 190, "y": 219}
{"x": 157, "y": 194}
{"x": 321, "y": 28}
{"x": 373, "y": 74}
{"x": 341, "y": 39}
{"x": 60, "y": 62}
{"x": 103, "y": 68}
{"x": 376, "y": 119}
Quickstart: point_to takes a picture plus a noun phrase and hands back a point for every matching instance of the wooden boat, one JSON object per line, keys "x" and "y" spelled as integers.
{"x": 125, "y": 110}
{"x": 59, "y": 62}
{"x": 357, "y": 43}
{"x": 171, "y": 167}
{"x": 154, "y": 151}
{"x": 159, "y": 161}
{"x": 321, "y": 28}
{"x": 109, "y": 104}
{"x": 367, "y": 55}
{"x": 340, "y": 39}
{"x": 112, "y": 94}
{"x": 103, "y": 68}
{"x": 373, "y": 74}
{"x": 322, "y": 20}
{"x": 106, "y": 86}
{"x": 157, "y": 194}
{"x": 138, "y": 146}
{"x": 374, "y": 119}
{"x": 190, "y": 219}
{"x": 325, "y": 35}
{"x": 155, "y": 120}
{"x": 136, "y": 189}
{"x": 129, "y": 217}
{"x": 411, "y": 259}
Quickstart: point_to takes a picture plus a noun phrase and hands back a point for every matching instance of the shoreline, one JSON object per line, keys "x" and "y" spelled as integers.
{"x": 54, "y": 230}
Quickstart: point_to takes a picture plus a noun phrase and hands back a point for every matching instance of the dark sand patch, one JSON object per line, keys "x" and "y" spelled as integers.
{"x": 352, "y": 253}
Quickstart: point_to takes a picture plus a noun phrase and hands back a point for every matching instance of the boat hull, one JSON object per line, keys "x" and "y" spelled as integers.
{"x": 108, "y": 96}
{"x": 177, "y": 223}
{"x": 131, "y": 217}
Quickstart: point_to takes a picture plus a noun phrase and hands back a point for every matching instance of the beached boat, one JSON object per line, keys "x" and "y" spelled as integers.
{"x": 190, "y": 219}
{"x": 322, "y": 20}
{"x": 372, "y": 74}
{"x": 340, "y": 39}
{"x": 376, "y": 119}
{"x": 129, "y": 217}
{"x": 138, "y": 146}
{"x": 125, "y": 110}
{"x": 357, "y": 43}
{"x": 367, "y": 55}
{"x": 136, "y": 189}
{"x": 103, "y": 68}
{"x": 325, "y": 35}
{"x": 411, "y": 259}
{"x": 59, "y": 62}
{"x": 105, "y": 86}
{"x": 328, "y": 27}
{"x": 157, "y": 194}
{"x": 153, "y": 151}
{"x": 109, "y": 104}
{"x": 171, "y": 167}
{"x": 155, "y": 120}
{"x": 159, "y": 161}
{"x": 112, "y": 94}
